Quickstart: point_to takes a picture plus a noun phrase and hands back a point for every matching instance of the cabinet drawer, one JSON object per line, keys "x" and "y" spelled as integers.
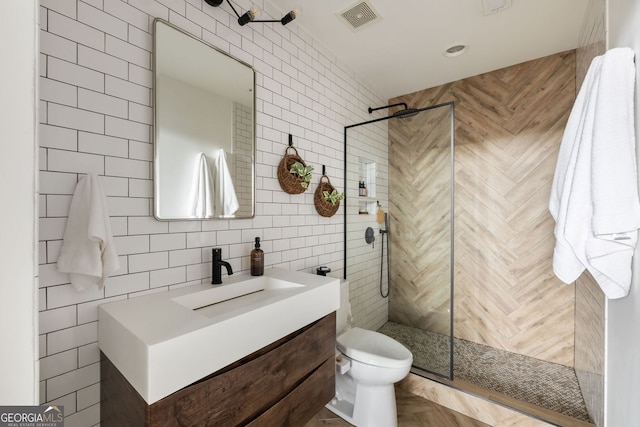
{"x": 306, "y": 400}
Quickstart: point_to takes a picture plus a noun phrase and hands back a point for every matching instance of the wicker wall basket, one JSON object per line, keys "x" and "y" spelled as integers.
{"x": 289, "y": 182}
{"x": 324, "y": 207}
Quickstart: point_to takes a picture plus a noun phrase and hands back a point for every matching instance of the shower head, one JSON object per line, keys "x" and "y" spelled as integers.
{"x": 407, "y": 112}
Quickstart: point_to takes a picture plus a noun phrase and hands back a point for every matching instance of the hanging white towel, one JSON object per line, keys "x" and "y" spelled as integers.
{"x": 202, "y": 193}
{"x": 594, "y": 198}
{"x": 567, "y": 263}
{"x": 226, "y": 201}
{"x": 616, "y": 209}
{"x": 88, "y": 253}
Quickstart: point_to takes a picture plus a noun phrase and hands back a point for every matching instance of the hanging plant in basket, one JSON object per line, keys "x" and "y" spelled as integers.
{"x": 303, "y": 172}
{"x": 326, "y": 198}
{"x": 293, "y": 173}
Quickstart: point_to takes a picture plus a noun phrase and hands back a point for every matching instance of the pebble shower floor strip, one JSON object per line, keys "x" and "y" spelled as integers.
{"x": 549, "y": 385}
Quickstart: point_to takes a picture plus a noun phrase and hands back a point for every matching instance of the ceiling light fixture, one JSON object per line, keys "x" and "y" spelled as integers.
{"x": 494, "y": 6}
{"x": 250, "y": 15}
{"x": 455, "y": 50}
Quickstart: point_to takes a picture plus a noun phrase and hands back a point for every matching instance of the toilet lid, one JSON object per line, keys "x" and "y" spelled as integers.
{"x": 373, "y": 348}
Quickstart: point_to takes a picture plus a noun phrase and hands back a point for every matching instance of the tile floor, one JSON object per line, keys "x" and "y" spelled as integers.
{"x": 538, "y": 382}
{"x": 413, "y": 411}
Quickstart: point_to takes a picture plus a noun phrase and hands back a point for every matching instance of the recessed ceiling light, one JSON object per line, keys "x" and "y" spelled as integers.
{"x": 455, "y": 50}
{"x": 493, "y": 6}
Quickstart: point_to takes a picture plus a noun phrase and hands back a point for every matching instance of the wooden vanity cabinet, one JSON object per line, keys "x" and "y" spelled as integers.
{"x": 283, "y": 384}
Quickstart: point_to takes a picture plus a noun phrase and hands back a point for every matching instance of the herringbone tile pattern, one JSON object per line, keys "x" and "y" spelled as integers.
{"x": 589, "y": 357}
{"x": 413, "y": 411}
{"x": 508, "y": 128}
{"x": 420, "y": 207}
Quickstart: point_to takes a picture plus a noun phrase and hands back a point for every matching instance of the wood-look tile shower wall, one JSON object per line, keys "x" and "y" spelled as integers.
{"x": 508, "y": 128}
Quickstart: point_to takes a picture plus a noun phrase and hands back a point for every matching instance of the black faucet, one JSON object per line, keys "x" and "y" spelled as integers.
{"x": 216, "y": 267}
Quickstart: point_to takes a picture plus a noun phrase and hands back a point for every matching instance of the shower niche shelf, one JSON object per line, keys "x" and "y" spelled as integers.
{"x": 368, "y": 204}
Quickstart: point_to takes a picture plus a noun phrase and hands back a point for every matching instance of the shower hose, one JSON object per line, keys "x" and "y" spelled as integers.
{"x": 382, "y": 293}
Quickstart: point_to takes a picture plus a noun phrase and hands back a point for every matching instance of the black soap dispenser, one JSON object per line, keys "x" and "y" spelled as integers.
{"x": 257, "y": 260}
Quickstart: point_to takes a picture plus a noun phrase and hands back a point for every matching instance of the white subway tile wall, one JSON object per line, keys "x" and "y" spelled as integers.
{"x": 96, "y": 116}
{"x": 367, "y": 145}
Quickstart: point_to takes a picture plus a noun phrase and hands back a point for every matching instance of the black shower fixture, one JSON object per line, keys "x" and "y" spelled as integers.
{"x": 407, "y": 112}
{"x": 371, "y": 110}
{"x": 250, "y": 15}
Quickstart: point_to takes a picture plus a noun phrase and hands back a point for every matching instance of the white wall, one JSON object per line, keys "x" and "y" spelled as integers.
{"x": 96, "y": 89}
{"x": 622, "y": 376}
{"x": 18, "y": 303}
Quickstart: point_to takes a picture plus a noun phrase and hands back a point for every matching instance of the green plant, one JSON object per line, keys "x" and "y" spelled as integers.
{"x": 333, "y": 197}
{"x": 303, "y": 172}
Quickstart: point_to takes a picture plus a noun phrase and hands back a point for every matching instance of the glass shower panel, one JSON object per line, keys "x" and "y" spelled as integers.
{"x": 367, "y": 163}
{"x": 420, "y": 237}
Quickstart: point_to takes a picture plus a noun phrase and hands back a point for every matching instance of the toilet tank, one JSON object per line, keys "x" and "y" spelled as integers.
{"x": 343, "y": 314}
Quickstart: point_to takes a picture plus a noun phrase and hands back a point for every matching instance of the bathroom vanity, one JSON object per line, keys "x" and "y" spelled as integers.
{"x": 253, "y": 351}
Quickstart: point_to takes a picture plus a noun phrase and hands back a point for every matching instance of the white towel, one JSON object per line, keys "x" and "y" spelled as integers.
{"x": 567, "y": 263}
{"x": 226, "y": 201}
{"x": 594, "y": 198}
{"x": 88, "y": 253}
{"x": 202, "y": 193}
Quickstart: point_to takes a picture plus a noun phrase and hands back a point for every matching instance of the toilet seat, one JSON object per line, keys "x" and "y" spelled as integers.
{"x": 373, "y": 348}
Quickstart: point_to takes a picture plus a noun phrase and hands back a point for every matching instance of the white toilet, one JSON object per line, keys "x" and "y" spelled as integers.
{"x": 368, "y": 364}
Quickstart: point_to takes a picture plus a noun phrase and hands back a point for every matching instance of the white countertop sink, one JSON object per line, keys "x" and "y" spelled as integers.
{"x": 166, "y": 341}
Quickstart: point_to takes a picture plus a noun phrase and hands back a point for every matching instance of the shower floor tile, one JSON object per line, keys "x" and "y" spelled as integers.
{"x": 531, "y": 380}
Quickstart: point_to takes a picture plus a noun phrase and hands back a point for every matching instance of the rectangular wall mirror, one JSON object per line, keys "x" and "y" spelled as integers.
{"x": 204, "y": 106}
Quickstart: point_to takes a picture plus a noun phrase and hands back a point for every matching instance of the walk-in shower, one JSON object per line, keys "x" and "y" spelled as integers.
{"x": 406, "y": 160}
{"x": 414, "y": 184}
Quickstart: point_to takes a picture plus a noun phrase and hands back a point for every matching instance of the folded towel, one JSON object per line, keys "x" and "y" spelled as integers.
{"x": 226, "y": 201}
{"x": 88, "y": 253}
{"x": 594, "y": 197}
{"x": 202, "y": 193}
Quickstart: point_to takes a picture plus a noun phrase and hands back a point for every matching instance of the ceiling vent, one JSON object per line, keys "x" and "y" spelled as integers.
{"x": 494, "y": 6}
{"x": 359, "y": 16}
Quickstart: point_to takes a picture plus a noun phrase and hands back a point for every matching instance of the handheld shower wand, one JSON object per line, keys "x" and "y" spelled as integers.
{"x": 385, "y": 230}
{"x": 381, "y": 218}
{"x": 386, "y": 223}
